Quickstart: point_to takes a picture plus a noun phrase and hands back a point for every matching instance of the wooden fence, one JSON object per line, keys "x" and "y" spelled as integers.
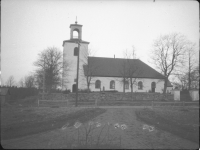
{"x": 95, "y": 103}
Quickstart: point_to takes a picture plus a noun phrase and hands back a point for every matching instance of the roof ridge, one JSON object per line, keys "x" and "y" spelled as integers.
{"x": 112, "y": 58}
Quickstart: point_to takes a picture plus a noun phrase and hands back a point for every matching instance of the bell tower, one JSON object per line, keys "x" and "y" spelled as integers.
{"x": 70, "y": 53}
{"x": 76, "y": 31}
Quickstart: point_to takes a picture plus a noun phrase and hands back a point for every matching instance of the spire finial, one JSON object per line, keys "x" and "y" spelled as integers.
{"x": 76, "y": 20}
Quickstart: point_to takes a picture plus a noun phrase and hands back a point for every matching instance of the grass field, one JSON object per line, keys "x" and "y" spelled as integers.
{"x": 45, "y": 127}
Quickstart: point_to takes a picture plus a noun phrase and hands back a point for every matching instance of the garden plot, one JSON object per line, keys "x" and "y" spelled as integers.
{"x": 116, "y": 128}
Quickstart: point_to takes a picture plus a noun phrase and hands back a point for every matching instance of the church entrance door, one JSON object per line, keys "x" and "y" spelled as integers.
{"x": 153, "y": 87}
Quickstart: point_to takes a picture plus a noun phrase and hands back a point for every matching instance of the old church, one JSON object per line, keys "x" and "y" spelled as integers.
{"x": 105, "y": 74}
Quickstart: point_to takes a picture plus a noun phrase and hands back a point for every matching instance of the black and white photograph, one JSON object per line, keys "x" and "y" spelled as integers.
{"x": 97, "y": 74}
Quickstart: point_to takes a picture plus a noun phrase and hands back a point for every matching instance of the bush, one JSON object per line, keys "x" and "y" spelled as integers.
{"x": 84, "y": 91}
{"x": 56, "y": 91}
{"x": 21, "y": 93}
{"x": 112, "y": 91}
{"x": 66, "y": 91}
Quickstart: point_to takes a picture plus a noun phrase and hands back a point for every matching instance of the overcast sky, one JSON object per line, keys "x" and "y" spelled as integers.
{"x": 111, "y": 27}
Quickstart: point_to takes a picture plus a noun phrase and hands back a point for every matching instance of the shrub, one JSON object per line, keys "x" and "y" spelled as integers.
{"x": 66, "y": 91}
{"x": 111, "y": 91}
{"x": 84, "y": 91}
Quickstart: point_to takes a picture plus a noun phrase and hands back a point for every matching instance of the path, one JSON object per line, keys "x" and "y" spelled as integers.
{"x": 137, "y": 138}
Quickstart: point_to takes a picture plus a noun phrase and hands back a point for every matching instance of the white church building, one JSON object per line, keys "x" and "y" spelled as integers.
{"x": 106, "y": 74}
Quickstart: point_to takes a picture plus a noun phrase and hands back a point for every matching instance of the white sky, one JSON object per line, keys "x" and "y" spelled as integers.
{"x": 30, "y": 26}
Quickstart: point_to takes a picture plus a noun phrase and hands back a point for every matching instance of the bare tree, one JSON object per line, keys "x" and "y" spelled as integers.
{"x": 187, "y": 75}
{"x": 2, "y": 81}
{"x": 129, "y": 70}
{"x": 29, "y": 81}
{"x": 133, "y": 70}
{"x": 191, "y": 62}
{"x": 50, "y": 63}
{"x": 21, "y": 82}
{"x": 182, "y": 81}
{"x": 195, "y": 77}
{"x": 39, "y": 78}
{"x": 168, "y": 54}
{"x": 123, "y": 73}
{"x": 11, "y": 81}
{"x": 134, "y": 55}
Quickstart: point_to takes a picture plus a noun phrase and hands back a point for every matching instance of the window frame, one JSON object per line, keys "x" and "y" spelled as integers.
{"x": 152, "y": 84}
{"x": 126, "y": 84}
{"x": 112, "y": 84}
{"x": 97, "y": 84}
{"x": 140, "y": 85}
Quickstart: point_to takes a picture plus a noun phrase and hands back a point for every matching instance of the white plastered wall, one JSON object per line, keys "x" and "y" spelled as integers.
{"x": 105, "y": 82}
{"x": 68, "y": 55}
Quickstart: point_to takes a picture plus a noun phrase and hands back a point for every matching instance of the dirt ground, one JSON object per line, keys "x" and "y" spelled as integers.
{"x": 134, "y": 137}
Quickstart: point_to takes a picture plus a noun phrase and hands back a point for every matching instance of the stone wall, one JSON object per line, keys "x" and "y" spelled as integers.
{"x": 108, "y": 96}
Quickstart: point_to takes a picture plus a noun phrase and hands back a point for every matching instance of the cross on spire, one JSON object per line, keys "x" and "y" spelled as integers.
{"x": 76, "y": 20}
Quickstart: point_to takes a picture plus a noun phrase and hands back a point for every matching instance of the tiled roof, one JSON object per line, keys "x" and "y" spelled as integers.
{"x": 113, "y": 67}
{"x": 169, "y": 84}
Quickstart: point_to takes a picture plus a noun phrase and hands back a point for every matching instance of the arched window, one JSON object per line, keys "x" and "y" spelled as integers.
{"x": 75, "y": 34}
{"x": 126, "y": 85}
{"x": 76, "y": 51}
{"x": 98, "y": 84}
{"x": 112, "y": 84}
{"x": 140, "y": 85}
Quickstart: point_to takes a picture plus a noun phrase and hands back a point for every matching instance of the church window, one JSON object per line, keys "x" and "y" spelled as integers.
{"x": 98, "y": 84}
{"x": 140, "y": 85}
{"x": 112, "y": 84}
{"x": 126, "y": 85}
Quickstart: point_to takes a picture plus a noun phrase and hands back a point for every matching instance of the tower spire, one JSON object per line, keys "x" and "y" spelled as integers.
{"x": 76, "y": 20}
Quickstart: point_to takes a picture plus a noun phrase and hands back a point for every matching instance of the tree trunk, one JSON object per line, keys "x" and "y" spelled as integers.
{"x": 88, "y": 84}
{"x": 165, "y": 86}
{"x": 131, "y": 89}
{"x": 124, "y": 85}
{"x": 88, "y": 87}
{"x": 189, "y": 82}
{"x": 189, "y": 79}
